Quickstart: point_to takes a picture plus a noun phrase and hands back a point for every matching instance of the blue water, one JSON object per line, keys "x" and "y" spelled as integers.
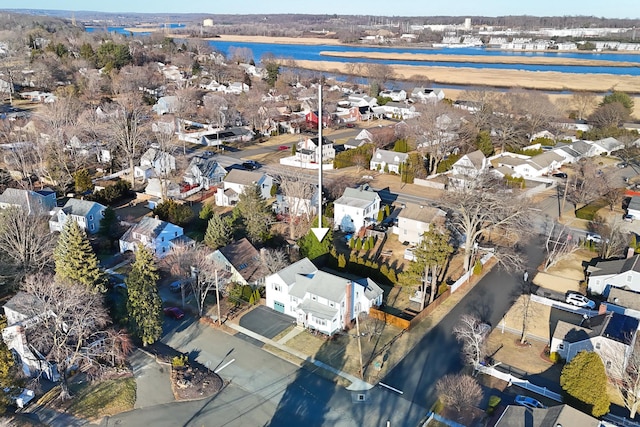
{"x": 312, "y": 53}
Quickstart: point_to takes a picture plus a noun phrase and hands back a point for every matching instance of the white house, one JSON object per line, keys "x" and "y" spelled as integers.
{"x": 608, "y": 145}
{"x": 424, "y": 94}
{"x": 319, "y": 300}
{"x": 307, "y": 150}
{"x": 633, "y": 208}
{"x": 611, "y": 335}
{"x": 205, "y": 172}
{"x": 356, "y": 208}
{"x": 542, "y": 164}
{"x": 415, "y": 220}
{"x": 237, "y": 181}
{"x": 396, "y": 110}
{"x": 155, "y": 162}
{"x": 85, "y": 213}
{"x": 387, "y": 161}
{"x": 395, "y": 95}
{"x": 467, "y": 169}
{"x": 157, "y": 235}
{"x": 621, "y": 273}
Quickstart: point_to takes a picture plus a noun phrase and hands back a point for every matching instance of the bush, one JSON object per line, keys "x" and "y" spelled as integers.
{"x": 589, "y": 211}
{"x": 555, "y": 357}
{"x": 113, "y": 193}
{"x": 173, "y": 212}
{"x": 442, "y": 288}
{"x": 477, "y": 268}
{"x": 494, "y": 401}
{"x": 179, "y": 361}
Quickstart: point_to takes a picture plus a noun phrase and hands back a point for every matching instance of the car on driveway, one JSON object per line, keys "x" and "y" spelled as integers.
{"x": 594, "y": 237}
{"x": 528, "y": 402}
{"x": 628, "y": 217}
{"x": 250, "y": 165}
{"x": 579, "y": 300}
{"x": 173, "y": 312}
{"x": 560, "y": 175}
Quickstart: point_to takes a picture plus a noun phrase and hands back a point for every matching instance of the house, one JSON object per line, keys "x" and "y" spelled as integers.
{"x": 396, "y": 110}
{"x": 155, "y": 162}
{"x": 387, "y": 161}
{"x": 15, "y": 336}
{"x": 362, "y": 100}
{"x": 415, "y": 220}
{"x": 611, "y": 335}
{"x": 396, "y": 95}
{"x": 307, "y": 150}
{"x": 381, "y": 136}
{"x": 539, "y": 165}
{"x": 319, "y": 300}
{"x": 560, "y": 415}
{"x": 624, "y": 302}
{"x": 242, "y": 261}
{"x": 206, "y": 172}
{"x": 621, "y": 273}
{"x": 166, "y": 104}
{"x": 425, "y": 94}
{"x": 162, "y": 188}
{"x": 348, "y": 115}
{"x": 157, "y": 235}
{"x": 633, "y": 208}
{"x": 356, "y": 208}
{"x": 31, "y": 202}
{"x": 467, "y": 169}
{"x": 87, "y": 214}
{"x": 237, "y": 181}
{"x": 297, "y": 206}
{"x": 608, "y": 145}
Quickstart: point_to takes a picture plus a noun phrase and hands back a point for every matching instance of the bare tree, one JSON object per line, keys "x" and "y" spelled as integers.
{"x": 70, "y": 326}
{"x": 558, "y": 246}
{"x": 273, "y": 260}
{"x": 459, "y": 391}
{"x": 379, "y": 75}
{"x": 587, "y": 184}
{"x": 626, "y": 379}
{"x": 26, "y": 241}
{"x": 128, "y": 130}
{"x": 615, "y": 240}
{"x": 471, "y": 332}
{"x": 583, "y": 102}
{"x": 476, "y": 212}
{"x": 297, "y": 193}
{"x": 536, "y": 109}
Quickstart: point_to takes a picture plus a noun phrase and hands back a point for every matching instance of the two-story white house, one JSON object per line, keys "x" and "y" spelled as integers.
{"x": 611, "y": 335}
{"x": 31, "y": 202}
{"x": 241, "y": 260}
{"x": 87, "y": 214}
{"x": 205, "y": 172}
{"x": 308, "y": 152}
{"x": 237, "y": 181}
{"x": 415, "y": 220}
{"x": 387, "y": 161}
{"x": 395, "y": 94}
{"x": 356, "y": 208}
{"x": 620, "y": 273}
{"x": 319, "y": 300}
{"x": 157, "y": 235}
{"x": 426, "y": 94}
{"x": 155, "y": 162}
{"x": 467, "y": 169}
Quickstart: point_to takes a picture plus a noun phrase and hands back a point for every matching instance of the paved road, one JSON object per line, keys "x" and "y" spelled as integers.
{"x": 437, "y": 353}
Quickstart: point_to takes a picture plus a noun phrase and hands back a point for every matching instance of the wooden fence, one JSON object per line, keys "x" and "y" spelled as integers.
{"x": 389, "y": 318}
{"x": 429, "y": 309}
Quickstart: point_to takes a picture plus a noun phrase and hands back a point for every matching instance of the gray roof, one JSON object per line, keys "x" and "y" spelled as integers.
{"x": 581, "y": 147}
{"x": 208, "y": 167}
{"x": 331, "y": 287}
{"x": 238, "y": 176}
{"x": 560, "y": 415}
{"x": 371, "y": 288}
{"x": 25, "y": 198}
{"x": 317, "y": 309}
{"x": 511, "y": 161}
{"x": 80, "y": 207}
{"x": 614, "y": 326}
{"x": 359, "y": 197}
{"x": 606, "y": 268}
{"x": 289, "y": 274}
{"x": 426, "y": 214}
{"x": 624, "y": 298}
{"x": 476, "y": 158}
{"x": 153, "y": 154}
{"x": 389, "y": 156}
{"x": 545, "y": 159}
{"x": 149, "y": 226}
{"x": 20, "y": 301}
{"x": 609, "y": 144}
{"x": 634, "y": 203}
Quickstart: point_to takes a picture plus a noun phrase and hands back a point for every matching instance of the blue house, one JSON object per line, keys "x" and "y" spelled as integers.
{"x": 87, "y": 214}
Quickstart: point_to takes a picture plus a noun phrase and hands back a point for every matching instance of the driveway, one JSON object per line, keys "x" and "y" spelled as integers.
{"x": 266, "y": 322}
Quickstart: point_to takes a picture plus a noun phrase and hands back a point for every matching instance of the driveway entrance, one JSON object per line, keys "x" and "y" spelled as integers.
{"x": 266, "y": 322}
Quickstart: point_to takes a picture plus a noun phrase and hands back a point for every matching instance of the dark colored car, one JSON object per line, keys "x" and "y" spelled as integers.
{"x": 173, "y": 312}
{"x": 250, "y": 165}
{"x": 560, "y": 175}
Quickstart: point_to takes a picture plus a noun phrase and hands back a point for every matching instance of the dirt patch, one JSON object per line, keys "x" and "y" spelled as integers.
{"x": 567, "y": 274}
{"x": 506, "y": 348}
{"x": 193, "y": 382}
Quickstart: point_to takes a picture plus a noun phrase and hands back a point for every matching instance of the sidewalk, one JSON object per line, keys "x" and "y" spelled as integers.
{"x": 356, "y": 383}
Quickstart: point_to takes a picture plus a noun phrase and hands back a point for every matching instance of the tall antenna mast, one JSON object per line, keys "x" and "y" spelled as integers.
{"x": 320, "y": 231}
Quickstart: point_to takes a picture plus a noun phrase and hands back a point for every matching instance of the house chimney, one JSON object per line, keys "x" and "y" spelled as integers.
{"x": 630, "y": 252}
{"x": 602, "y": 309}
{"x": 348, "y": 313}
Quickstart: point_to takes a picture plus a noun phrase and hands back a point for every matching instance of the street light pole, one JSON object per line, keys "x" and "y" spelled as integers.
{"x": 218, "y": 297}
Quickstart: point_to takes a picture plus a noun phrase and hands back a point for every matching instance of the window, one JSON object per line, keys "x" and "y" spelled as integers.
{"x": 597, "y": 346}
{"x": 560, "y": 346}
{"x": 608, "y": 364}
{"x": 90, "y": 217}
{"x": 331, "y": 304}
{"x": 629, "y": 278}
{"x": 92, "y": 227}
{"x": 313, "y": 297}
{"x": 162, "y": 239}
{"x": 176, "y": 234}
{"x": 277, "y": 288}
{"x": 294, "y": 300}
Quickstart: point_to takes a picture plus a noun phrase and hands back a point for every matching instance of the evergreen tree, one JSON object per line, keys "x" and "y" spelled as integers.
{"x": 75, "y": 259}
{"x": 218, "y": 232}
{"x": 206, "y": 212}
{"x": 584, "y": 382}
{"x": 82, "y": 181}
{"x": 254, "y": 214}
{"x": 483, "y": 143}
{"x": 8, "y": 377}
{"x": 342, "y": 261}
{"x": 143, "y": 302}
{"x": 309, "y": 245}
{"x": 110, "y": 226}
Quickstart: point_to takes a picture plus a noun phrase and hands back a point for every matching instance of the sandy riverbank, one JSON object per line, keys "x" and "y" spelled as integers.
{"x": 542, "y": 80}
{"x": 533, "y": 60}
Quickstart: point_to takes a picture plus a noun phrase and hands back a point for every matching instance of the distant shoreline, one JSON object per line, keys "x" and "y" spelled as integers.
{"x": 532, "y": 60}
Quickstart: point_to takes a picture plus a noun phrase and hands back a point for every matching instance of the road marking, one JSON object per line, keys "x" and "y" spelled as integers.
{"x": 224, "y": 366}
{"x": 391, "y": 388}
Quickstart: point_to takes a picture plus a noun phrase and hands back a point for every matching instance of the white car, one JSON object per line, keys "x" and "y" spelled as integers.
{"x": 528, "y": 402}
{"x": 594, "y": 237}
{"x": 580, "y": 301}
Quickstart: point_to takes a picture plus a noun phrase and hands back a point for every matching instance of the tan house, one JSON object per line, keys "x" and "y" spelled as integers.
{"x": 415, "y": 220}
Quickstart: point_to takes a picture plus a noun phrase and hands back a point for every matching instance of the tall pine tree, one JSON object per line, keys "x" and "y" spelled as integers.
{"x": 218, "y": 232}
{"x": 75, "y": 259}
{"x": 254, "y": 214}
{"x": 143, "y": 302}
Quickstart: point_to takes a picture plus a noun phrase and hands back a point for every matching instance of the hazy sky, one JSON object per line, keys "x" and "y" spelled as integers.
{"x": 609, "y": 9}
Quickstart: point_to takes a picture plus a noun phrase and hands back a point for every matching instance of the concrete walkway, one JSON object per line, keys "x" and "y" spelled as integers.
{"x": 356, "y": 383}
{"x": 152, "y": 380}
{"x": 293, "y": 333}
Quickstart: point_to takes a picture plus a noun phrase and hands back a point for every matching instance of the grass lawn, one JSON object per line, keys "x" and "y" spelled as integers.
{"x": 92, "y": 401}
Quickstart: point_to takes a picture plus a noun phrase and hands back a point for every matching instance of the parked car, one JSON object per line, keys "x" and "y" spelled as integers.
{"x": 560, "y": 175}
{"x": 580, "y": 300}
{"x": 176, "y": 286}
{"x": 173, "y": 312}
{"x": 528, "y": 402}
{"x": 628, "y": 218}
{"x": 250, "y": 165}
{"x": 351, "y": 125}
{"x": 622, "y": 165}
{"x": 283, "y": 147}
{"x": 594, "y": 237}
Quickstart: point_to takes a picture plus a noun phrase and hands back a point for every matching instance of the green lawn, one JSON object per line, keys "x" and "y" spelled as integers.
{"x": 92, "y": 401}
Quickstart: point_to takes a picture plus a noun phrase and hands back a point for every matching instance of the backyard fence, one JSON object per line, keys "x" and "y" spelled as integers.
{"x": 429, "y": 309}
{"x": 389, "y": 318}
{"x": 543, "y": 391}
{"x": 465, "y": 277}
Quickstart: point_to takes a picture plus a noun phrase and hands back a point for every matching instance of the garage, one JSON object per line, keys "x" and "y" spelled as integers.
{"x": 278, "y": 306}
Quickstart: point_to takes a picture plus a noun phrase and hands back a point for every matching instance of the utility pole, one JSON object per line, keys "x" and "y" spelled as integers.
{"x": 359, "y": 344}
{"x": 320, "y": 231}
{"x": 564, "y": 196}
{"x": 218, "y": 297}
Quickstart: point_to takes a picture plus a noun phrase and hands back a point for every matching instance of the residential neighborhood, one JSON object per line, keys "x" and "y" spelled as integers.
{"x": 192, "y": 235}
